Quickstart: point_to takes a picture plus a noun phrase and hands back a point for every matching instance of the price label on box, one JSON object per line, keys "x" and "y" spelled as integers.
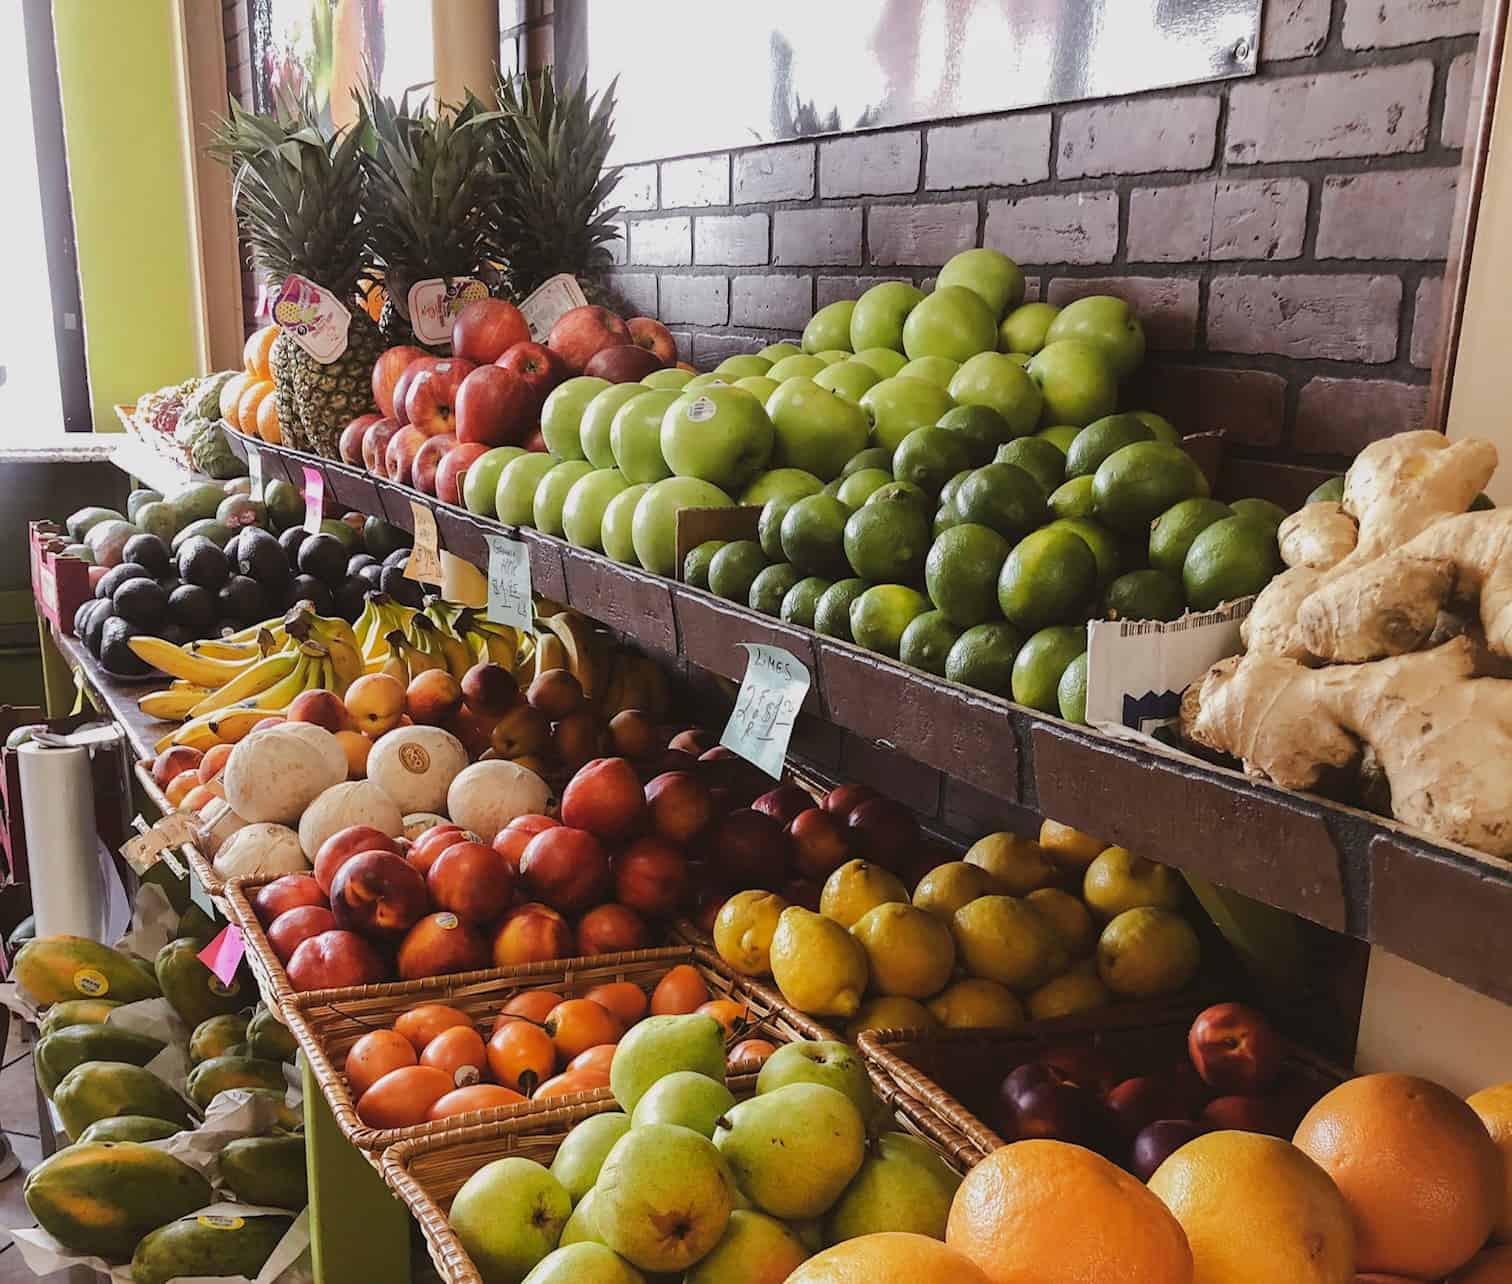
{"x": 314, "y": 498}
{"x": 255, "y": 471}
{"x": 424, "y": 562}
{"x": 509, "y": 593}
{"x": 771, "y": 693}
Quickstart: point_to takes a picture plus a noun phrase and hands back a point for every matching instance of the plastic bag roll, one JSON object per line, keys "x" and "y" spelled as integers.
{"x": 67, "y": 876}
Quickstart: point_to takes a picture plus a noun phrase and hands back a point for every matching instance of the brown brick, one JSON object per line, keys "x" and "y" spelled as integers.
{"x": 1079, "y": 228}
{"x": 1457, "y": 100}
{"x": 619, "y": 248}
{"x": 661, "y": 242}
{"x": 775, "y": 174}
{"x": 695, "y": 300}
{"x": 1293, "y": 29}
{"x": 1138, "y": 137}
{"x": 834, "y": 288}
{"x": 1003, "y": 152}
{"x": 1374, "y": 112}
{"x": 1399, "y": 214}
{"x": 920, "y": 234}
{"x": 1376, "y": 24}
{"x": 1249, "y": 405}
{"x": 1031, "y": 289}
{"x": 709, "y": 350}
{"x": 1166, "y": 305}
{"x": 730, "y": 238}
{"x": 772, "y": 302}
{"x": 636, "y": 189}
{"x": 825, "y": 236}
{"x": 1427, "y": 311}
{"x": 1342, "y": 416}
{"x": 699, "y": 180}
{"x": 869, "y": 164}
{"x": 636, "y": 292}
{"x": 1260, "y": 219}
{"x": 684, "y": 342}
{"x": 1171, "y": 224}
{"x": 1337, "y": 318}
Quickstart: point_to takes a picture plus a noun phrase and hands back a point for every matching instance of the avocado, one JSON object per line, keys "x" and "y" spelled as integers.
{"x": 290, "y": 540}
{"x": 118, "y": 575}
{"x": 242, "y": 601}
{"x": 78, "y": 524}
{"x": 141, "y": 601}
{"x": 207, "y": 528}
{"x": 345, "y": 533}
{"x": 198, "y": 501}
{"x": 139, "y": 499}
{"x": 200, "y": 561}
{"x": 116, "y": 656}
{"x": 360, "y": 560}
{"x": 349, "y": 597}
{"x": 192, "y": 608}
{"x": 323, "y": 557}
{"x": 86, "y": 615}
{"x": 380, "y": 539}
{"x": 149, "y": 551}
{"x": 306, "y": 588}
{"x": 371, "y": 577}
{"x": 286, "y": 507}
{"x": 237, "y": 511}
{"x": 400, "y": 589}
{"x": 257, "y": 554}
{"x": 159, "y": 518}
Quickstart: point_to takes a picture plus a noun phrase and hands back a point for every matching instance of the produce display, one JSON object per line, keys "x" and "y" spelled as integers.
{"x": 182, "y": 423}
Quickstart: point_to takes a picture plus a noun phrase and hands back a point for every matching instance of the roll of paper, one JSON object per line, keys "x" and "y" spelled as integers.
{"x": 68, "y": 888}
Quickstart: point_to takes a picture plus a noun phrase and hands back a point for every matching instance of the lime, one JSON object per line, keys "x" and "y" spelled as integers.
{"x": 900, "y": 490}
{"x": 1330, "y": 492}
{"x": 1002, "y": 496}
{"x": 1043, "y": 460}
{"x": 802, "y": 599}
{"x": 945, "y": 517}
{"x": 1144, "y": 595}
{"x": 1071, "y": 691}
{"x": 1072, "y": 498}
{"x": 1172, "y": 533}
{"x": 886, "y": 542}
{"x": 871, "y": 457}
{"x": 1059, "y": 435}
{"x": 879, "y": 616}
{"x": 1262, "y": 510}
{"x": 1040, "y": 663}
{"x": 930, "y": 457}
{"x": 854, "y": 490}
{"x": 769, "y": 525}
{"x": 733, "y": 569}
{"x": 948, "y": 490}
{"x": 696, "y": 564}
{"x": 832, "y": 611}
{"x": 813, "y": 535}
{"x": 927, "y": 641}
{"x": 982, "y": 427}
{"x": 983, "y": 657}
{"x": 770, "y": 586}
{"x": 1101, "y": 438}
{"x": 961, "y": 573}
{"x": 1162, "y": 427}
{"x": 1137, "y": 483}
{"x": 1048, "y": 578}
{"x": 1230, "y": 559}
{"x": 1100, "y": 540}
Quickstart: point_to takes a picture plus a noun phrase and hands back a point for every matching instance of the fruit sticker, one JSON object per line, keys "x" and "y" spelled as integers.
{"x": 771, "y": 693}
{"x": 210, "y": 1221}
{"x": 314, "y": 498}
{"x": 91, "y": 983}
{"x": 424, "y": 563}
{"x": 447, "y": 922}
{"x": 509, "y": 600}
{"x": 414, "y": 758}
{"x": 435, "y": 302}
{"x": 313, "y": 317}
{"x": 702, "y": 409}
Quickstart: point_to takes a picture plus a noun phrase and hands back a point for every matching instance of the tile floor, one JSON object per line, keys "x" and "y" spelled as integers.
{"x": 18, "y": 1117}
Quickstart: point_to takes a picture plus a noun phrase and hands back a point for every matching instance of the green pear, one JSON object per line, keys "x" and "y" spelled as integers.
{"x": 584, "y": 1264}
{"x": 508, "y": 1216}
{"x": 990, "y": 274}
{"x": 581, "y": 1155}
{"x": 829, "y": 328}
{"x": 663, "y": 1045}
{"x": 686, "y": 1098}
{"x": 877, "y": 321}
{"x": 793, "y": 1150}
{"x": 756, "y": 1249}
{"x": 815, "y": 429}
{"x": 581, "y": 1227}
{"x": 903, "y": 1185}
{"x": 885, "y": 361}
{"x": 1108, "y": 324}
{"x": 663, "y": 1198}
{"x": 833, "y": 1064}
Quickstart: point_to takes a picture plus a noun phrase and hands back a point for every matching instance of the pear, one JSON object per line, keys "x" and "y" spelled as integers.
{"x": 820, "y": 967}
{"x": 663, "y": 1198}
{"x": 856, "y": 887}
{"x": 836, "y": 1065}
{"x": 584, "y": 1264}
{"x": 581, "y": 1228}
{"x": 794, "y": 1150}
{"x": 508, "y": 1216}
{"x": 662, "y": 1045}
{"x": 903, "y": 1185}
{"x": 685, "y": 1098}
{"x": 756, "y": 1249}
{"x": 582, "y": 1154}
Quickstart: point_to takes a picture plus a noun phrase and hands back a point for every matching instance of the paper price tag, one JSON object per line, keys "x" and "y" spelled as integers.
{"x": 435, "y": 302}
{"x": 255, "y": 471}
{"x": 509, "y": 594}
{"x": 313, "y": 317}
{"x": 148, "y": 847}
{"x": 314, "y": 498}
{"x": 200, "y": 896}
{"x": 549, "y": 301}
{"x": 425, "y": 557}
{"x": 224, "y": 954}
{"x": 771, "y": 693}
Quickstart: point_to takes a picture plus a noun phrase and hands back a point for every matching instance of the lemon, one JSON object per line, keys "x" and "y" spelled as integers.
{"x": 1068, "y": 916}
{"x": 744, "y": 928}
{"x": 856, "y": 887}
{"x": 1019, "y": 865}
{"x": 890, "y": 1012}
{"x": 1068, "y": 995}
{"x": 977, "y": 1004}
{"x": 1147, "y": 952}
{"x": 1069, "y": 848}
{"x": 910, "y": 951}
{"x": 819, "y": 966}
{"x": 947, "y": 887}
{"x": 1118, "y": 880}
{"x": 1009, "y": 941}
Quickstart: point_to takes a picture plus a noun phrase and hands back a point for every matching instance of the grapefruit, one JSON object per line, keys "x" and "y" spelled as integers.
{"x": 1494, "y": 1106}
{"x": 893, "y": 1257}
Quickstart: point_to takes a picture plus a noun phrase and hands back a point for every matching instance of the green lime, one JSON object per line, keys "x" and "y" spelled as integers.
{"x": 813, "y": 535}
{"x": 879, "y": 616}
{"x": 930, "y": 457}
{"x": 1040, "y": 663}
{"x": 983, "y": 657}
{"x": 983, "y": 429}
{"x": 802, "y": 600}
{"x": 1043, "y": 460}
{"x": 1071, "y": 691}
{"x": 1230, "y": 559}
{"x": 769, "y": 525}
{"x": 1162, "y": 427}
{"x": 1060, "y": 435}
{"x": 1144, "y": 595}
{"x": 945, "y": 517}
{"x": 1101, "y": 438}
{"x": 1099, "y": 539}
{"x": 871, "y": 457}
{"x": 832, "y": 489}
{"x": 832, "y": 611}
{"x": 1072, "y": 498}
{"x": 899, "y": 490}
{"x": 886, "y": 542}
{"x": 949, "y": 489}
{"x": 1002, "y": 496}
{"x": 771, "y": 586}
{"x": 926, "y": 642}
{"x": 1172, "y": 533}
{"x": 1263, "y": 511}
{"x": 961, "y": 572}
{"x": 733, "y": 569}
{"x": 854, "y": 490}
{"x": 1330, "y": 492}
{"x": 1137, "y": 483}
{"x": 696, "y": 564}
{"x": 1048, "y": 578}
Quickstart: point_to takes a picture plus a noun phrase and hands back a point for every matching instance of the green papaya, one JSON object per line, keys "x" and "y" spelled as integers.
{"x": 207, "y": 1245}
{"x": 266, "y": 1170}
{"x": 128, "y": 1128}
{"x": 193, "y": 989}
{"x": 210, "y": 1078}
{"x": 196, "y": 923}
{"x": 269, "y": 1038}
{"x": 54, "y": 969}
{"x": 73, "y": 1045}
{"x": 98, "y": 1089}
{"x": 286, "y": 1118}
{"x": 76, "y": 1012}
{"x": 216, "y": 1036}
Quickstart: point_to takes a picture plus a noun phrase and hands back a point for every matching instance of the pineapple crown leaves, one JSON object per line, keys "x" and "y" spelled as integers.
{"x": 550, "y": 214}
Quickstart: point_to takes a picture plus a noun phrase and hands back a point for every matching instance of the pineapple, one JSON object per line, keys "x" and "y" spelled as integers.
{"x": 299, "y": 194}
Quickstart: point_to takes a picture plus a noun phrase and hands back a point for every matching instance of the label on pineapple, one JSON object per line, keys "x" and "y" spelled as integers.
{"x": 313, "y": 317}
{"x": 771, "y": 693}
{"x": 509, "y": 595}
{"x": 255, "y": 472}
{"x": 91, "y": 983}
{"x": 211, "y": 1221}
{"x": 435, "y": 302}
{"x": 702, "y": 410}
{"x": 549, "y": 302}
{"x": 424, "y": 563}
{"x": 314, "y": 498}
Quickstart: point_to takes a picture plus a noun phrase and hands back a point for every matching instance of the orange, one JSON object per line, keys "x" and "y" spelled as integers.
{"x": 422, "y": 1024}
{"x": 533, "y": 1005}
{"x": 1255, "y": 1209}
{"x": 373, "y": 1056}
{"x": 258, "y": 353}
{"x": 575, "y": 1025}
{"x": 728, "y": 1013}
{"x": 403, "y": 1097}
{"x": 247, "y": 404}
{"x": 458, "y": 1053}
{"x": 1047, "y": 1212}
{"x": 1417, "y": 1168}
{"x": 521, "y": 1055}
{"x": 477, "y": 1096}
{"x": 266, "y": 423}
{"x": 624, "y": 998}
{"x": 892, "y": 1257}
{"x": 1494, "y": 1266}
{"x": 211, "y": 764}
{"x": 230, "y": 394}
{"x": 1494, "y": 1106}
{"x": 680, "y": 992}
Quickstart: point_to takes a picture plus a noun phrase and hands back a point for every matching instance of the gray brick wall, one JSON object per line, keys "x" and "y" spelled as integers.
{"x": 1283, "y": 237}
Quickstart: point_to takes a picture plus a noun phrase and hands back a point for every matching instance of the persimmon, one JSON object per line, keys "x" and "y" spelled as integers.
{"x": 728, "y": 1013}
{"x": 257, "y": 353}
{"x": 751, "y": 1052}
{"x": 569, "y": 1085}
{"x": 403, "y": 1097}
{"x": 680, "y": 992}
{"x": 521, "y": 1056}
{"x": 458, "y": 1053}
{"x": 624, "y": 998}
{"x": 476, "y": 1096}
{"x": 267, "y": 423}
{"x": 597, "y": 1059}
{"x": 533, "y": 1005}
{"x": 373, "y": 1056}
{"x": 575, "y": 1025}
{"x": 422, "y": 1024}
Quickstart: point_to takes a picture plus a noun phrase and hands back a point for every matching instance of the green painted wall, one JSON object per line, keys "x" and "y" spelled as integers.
{"x": 120, "y": 72}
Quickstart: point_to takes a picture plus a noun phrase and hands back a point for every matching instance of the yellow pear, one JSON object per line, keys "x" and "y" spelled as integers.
{"x": 1008, "y": 941}
{"x": 1018, "y": 864}
{"x": 744, "y": 928}
{"x": 1068, "y": 995}
{"x": 890, "y": 1012}
{"x": 1069, "y": 848}
{"x": 856, "y": 887}
{"x": 820, "y": 967}
{"x": 947, "y": 887}
{"x": 1068, "y": 916}
{"x": 1118, "y": 880}
{"x": 911, "y": 952}
{"x": 977, "y": 1004}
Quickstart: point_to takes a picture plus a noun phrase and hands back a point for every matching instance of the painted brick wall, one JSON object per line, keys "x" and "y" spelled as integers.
{"x": 1283, "y": 236}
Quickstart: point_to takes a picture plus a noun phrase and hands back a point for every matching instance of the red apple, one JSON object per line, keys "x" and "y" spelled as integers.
{"x": 582, "y": 332}
{"x": 654, "y": 337}
{"x": 623, "y": 363}
{"x": 1234, "y": 1048}
{"x": 1158, "y": 1141}
{"x": 341, "y": 846}
{"x": 495, "y": 407}
{"x": 784, "y": 803}
{"x": 473, "y": 881}
{"x": 611, "y": 929}
{"x": 402, "y": 386}
{"x": 566, "y": 868}
{"x": 399, "y": 455}
{"x": 884, "y": 832}
{"x": 349, "y": 444}
{"x": 428, "y": 462}
{"x": 387, "y": 371}
{"x": 379, "y": 894}
{"x": 335, "y": 960}
{"x": 453, "y": 468}
{"x": 843, "y": 799}
{"x": 535, "y": 441}
{"x": 605, "y": 797}
{"x": 288, "y": 892}
{"x": 680, "y": 806}
{"x": 820, "y": 843}
{"x": 532, "y": 933}
{"x": 537, "y": 365}
{"x": 432, "y": 397}
{"x": 294, "y": 927}
{"x": 750, "y": 849}
{"x": 375, "y": 442}
{"x": 803, "y": 892}
{"x": 651, "y": 877}
{"x": 511, "y": 841}
{"x": 487, "y": 328}
{"x": 440, "y": 945}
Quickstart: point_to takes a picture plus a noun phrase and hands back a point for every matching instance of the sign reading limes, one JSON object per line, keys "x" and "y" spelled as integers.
{"x": 771, "y": 693}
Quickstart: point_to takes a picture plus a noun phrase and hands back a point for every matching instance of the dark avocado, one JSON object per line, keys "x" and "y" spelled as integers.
{"x": 290, "y": 540}
{"x": 242, "y": 601}
{"x": 349, "y": 598}
{"x": 118, "y": 575}
{"x": 204, "y": 563}
{"x": 178, "y": 634}
{"x": 380, "y": 539}
{"x": 89, "y": 622}
{"x": 81, "y": 616}
{"x": 359, "y": 560}
{"x": 400, "y": 589}
{"x": 141, "y": 601}
{"x": 115, "y": 655}
{"x": 398, "y": 557}
{"x": 306, "y": 588}
{"x": 150, "y": 551}
{"x": 323, "y": 557}
{"x": 193, "y": 608}
{"x": 259, "y": 556}
{"x": 371, "y": 576}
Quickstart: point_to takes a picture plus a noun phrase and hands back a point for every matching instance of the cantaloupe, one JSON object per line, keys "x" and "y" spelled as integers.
{"x": 274, "y": 776}
{"x": 415, "y": 766}
{"x": 353, "y": 802}
{"x": 488, "y": 795}
{"x": 260, "y": 851}
{"x": 321, "y": 739}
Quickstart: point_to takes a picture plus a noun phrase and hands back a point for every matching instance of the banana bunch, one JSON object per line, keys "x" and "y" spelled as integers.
{"x": 486, "y": 642}
{"x": 381, "y": 615}
{"x": 310, "y": 667}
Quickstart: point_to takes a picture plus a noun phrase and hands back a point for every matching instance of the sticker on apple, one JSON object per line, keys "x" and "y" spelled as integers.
{"x": 702, "y": 410}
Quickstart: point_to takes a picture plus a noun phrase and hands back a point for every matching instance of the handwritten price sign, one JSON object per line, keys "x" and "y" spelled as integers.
{"x": 509, "y": 600}
{"x": 771, "y": 693}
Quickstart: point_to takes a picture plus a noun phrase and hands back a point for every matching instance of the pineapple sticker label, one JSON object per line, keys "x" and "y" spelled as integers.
{"x": 434, "y": 304}
{"x": 313, "y": 317}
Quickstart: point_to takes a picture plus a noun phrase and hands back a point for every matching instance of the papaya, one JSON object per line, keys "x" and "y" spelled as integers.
{"x": 206, "y": 1246}
{"x": 216, "y": 1036}
{"x": 100, "y": 1199}
{"x": 210, "y": 1078}
{"x": 194, "y": 922}
{"x": 128, "y": 1128}
{"x": 99, "y": 1089}
{"x": 266, "y": 1170}
{"x": 193, "y": 989}
{"x": 286, "y": 1118}
{"x": 269, "y": 1038}
{"x": 76, "y": 1012}
{"x": 73, "y": 1045}
{"x": 54, "y": 969}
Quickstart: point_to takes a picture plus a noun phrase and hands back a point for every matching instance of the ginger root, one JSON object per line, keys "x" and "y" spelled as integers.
{"x": 1318, "y": 536}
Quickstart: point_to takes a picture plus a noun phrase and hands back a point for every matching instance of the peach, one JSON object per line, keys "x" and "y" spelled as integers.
{"x": 334, "y": 960}
{"x": 490, "y": 689}
{"x": 511, "y": 841}
{"x": 566, "y": 868}
{"x": 679, "y": 806}
{"x": 290, "y": 891}
{"x": 611, "y": 929}
{"x": 429, "y": 845}
{"x": 821, "y": 843}
{"x": 439, "y": 945}
{"x": 579, "y": 738}
{"x": 341, "y": 846}
{"x": 379, "y": 894}
{"x": 473, "y": 881}
{"x": 1235, "y": 1049}
{"x": 605, "y": 797}
{"x": 695, "y": 740}
{"x": 432, "y": 697}
{"x": 531, "y": 933}
{"x": 843, "y": 799}
{"x": 784, "y": 803}
{"x": 173, "y": 762}
{"x": 522, "y": 730}
{"x": 376, "y": 703}
{"x": 356, "y": 746}
{"x": 294, "y": 927}
{"x": 556, "y": 693}
{"x": 651, "y": 877}
{"x": 632, "y": 732}
{"x": 750, "y": 849}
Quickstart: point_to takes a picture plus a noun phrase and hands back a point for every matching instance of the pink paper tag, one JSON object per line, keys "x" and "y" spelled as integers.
{"x": 314, "y": 498}
{"x": 313, "y": 317}
{"x": 224, "y": 954}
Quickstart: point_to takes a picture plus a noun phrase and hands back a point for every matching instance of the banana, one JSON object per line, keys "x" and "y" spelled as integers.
{"x": 179, "y": 663}
{"x": 549, "y": 653}
{"x": 252, "y": 681}
{"x": 395, "y": 663}
{"x": 219, "y": 649}
{"x": 582, "y": 649}
{"x": 427, "y": 645}
{"x": 230, "y": 725}
{"x": 310, "y": 674}
{"x": 370, "y": 629}
{"x": 171, "y": 705}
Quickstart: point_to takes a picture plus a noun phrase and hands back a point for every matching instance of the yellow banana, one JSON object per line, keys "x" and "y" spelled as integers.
{"x": 171, "y": 705}
{"x": 219, "y": 649}
{"x": 549, "y": 652}
{"x": 230, "y": 725}
{"x": 582, "y": 649}
{"x": 396, "y": 664}
{"x": 178, "y": 663}
{"x": 183, "y": 684}
{"x": 267, "y": 672}
{"x": 370, "y": 629}
{"x": 426, "y": 643}
{"x": 308, "y": 675}
{"x": 195, "y": 735}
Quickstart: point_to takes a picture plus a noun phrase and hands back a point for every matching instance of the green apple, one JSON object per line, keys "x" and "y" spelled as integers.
{"x": 759, "y": 386}
{"x": 1018, "y": 358}
{"x": 635, "y": 436}
{"x": 562, "y": 415}
{"x": 775, "y": 352}
{"x": 885, "y": 361}
{"x": 1077, "y": 383}
{"x": 848, "y": 379}
{"x": 598, "y": 415}
{"x": 707, "y": 380}
{"x": 719, "y": 435}
{"x": 834, "y": 1064}
{"x": 584, "y": 1263}
{"x": 804, "y": 366}
{"x": 1107, "y": 323}
{"x": 990, "y": 274}
{"x": 582, "y": 1153}
{"x": 508, "y": 1216}
{"x": 663, "y": 1198}
{"x": 991, "y": 379}
{"x": 481, "y": 480}
{"x": 952, "y": 322}
{"x": 904, "y": 1185}
{"x": 833, "y": 356}
{"x": 756, "y": 1249}
{"x": 672, "y": 378}
{"x": 936, "y": 370}
{"x": 829, "y": 327}
{"x": 738, "y": 367}
{"x": 616, "y": 535}
{"x": 816, "y": 430}
{"x": 877, "y": 321}
{"x": 583, "y": 511}
{"x": 1023, "y": 329}
{"x": 687, "y": 1099}
{"x": 551, "y": 494}
{"x": 514, "y": 497}
{"x": 792, "y": 1151}
{"x": 781, "y": 481}
{"x": 895, "y": 407}
{"x": 653, "y": 533}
